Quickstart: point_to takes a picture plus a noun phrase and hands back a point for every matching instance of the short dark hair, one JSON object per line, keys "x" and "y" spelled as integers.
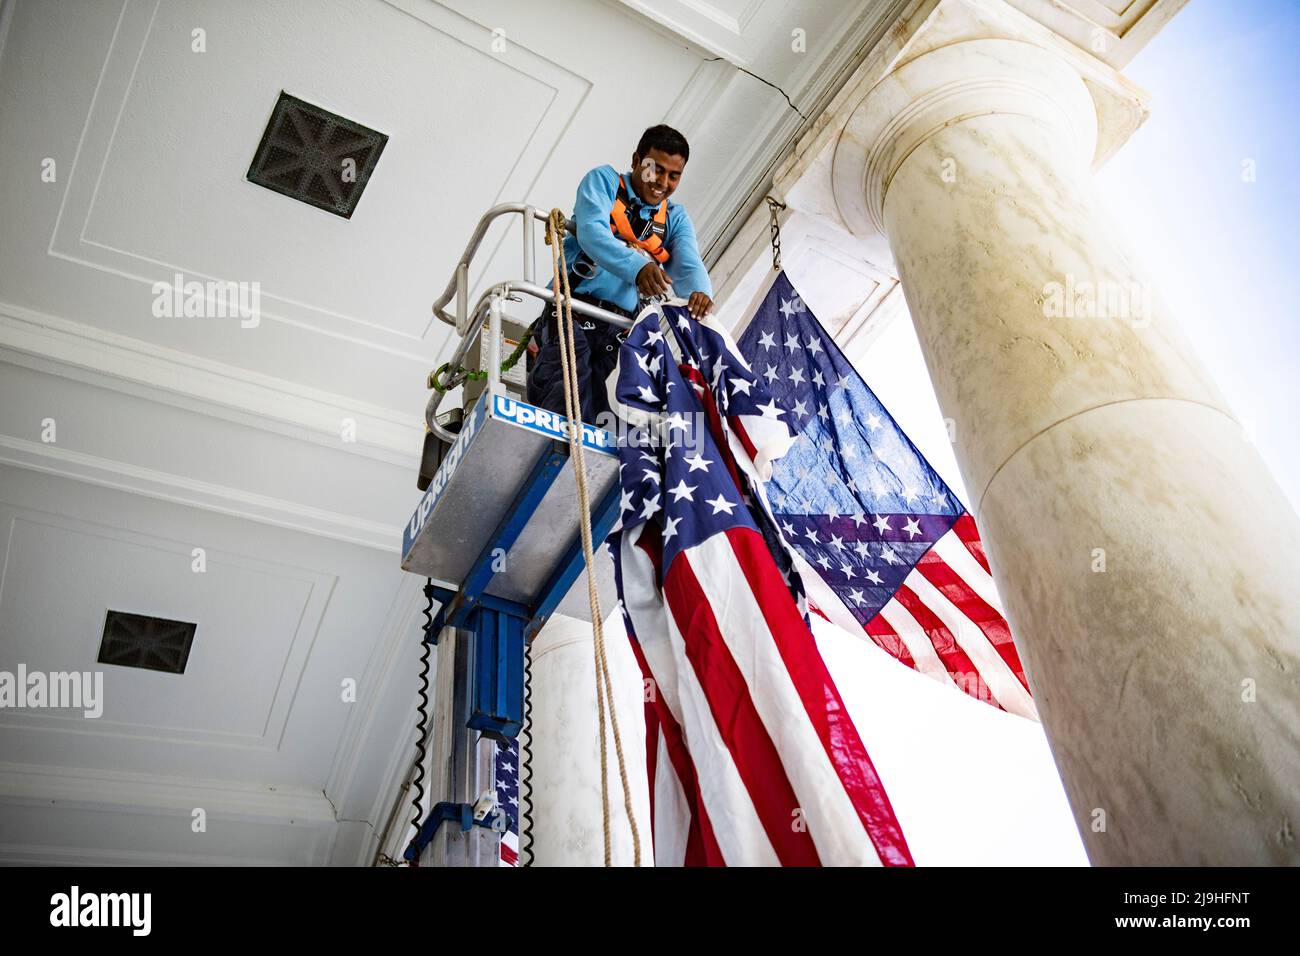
{"x": 666, "y": 139}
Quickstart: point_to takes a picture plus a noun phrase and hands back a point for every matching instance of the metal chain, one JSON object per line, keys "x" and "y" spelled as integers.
{"x": 775, "y": 228}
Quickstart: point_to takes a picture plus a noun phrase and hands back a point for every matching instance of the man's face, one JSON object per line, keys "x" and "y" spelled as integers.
{"x": 655, "y": 175}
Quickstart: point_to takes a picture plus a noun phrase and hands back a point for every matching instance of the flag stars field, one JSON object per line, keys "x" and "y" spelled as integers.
{"x": 837, "y": 424}
{"x": 682, "y": 490}
{"x": 721, "y": 504}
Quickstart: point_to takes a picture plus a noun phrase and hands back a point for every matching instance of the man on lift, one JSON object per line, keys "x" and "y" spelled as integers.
{"x": 632, "y": 244}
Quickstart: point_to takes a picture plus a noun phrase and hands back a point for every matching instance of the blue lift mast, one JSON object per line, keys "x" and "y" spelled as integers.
{"x": 497, "y": 533}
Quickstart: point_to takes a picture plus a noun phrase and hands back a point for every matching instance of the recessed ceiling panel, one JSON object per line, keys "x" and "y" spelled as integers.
{"x": 150, "y": 643}
{"x": 315, "y": 156}
{"x": 61, "y": 577}
{"x": 160, "y": 186}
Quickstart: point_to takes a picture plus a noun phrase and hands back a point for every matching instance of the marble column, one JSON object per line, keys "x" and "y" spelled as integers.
{"x": 567, "y": 818}
{"x": 1146, "y": 557}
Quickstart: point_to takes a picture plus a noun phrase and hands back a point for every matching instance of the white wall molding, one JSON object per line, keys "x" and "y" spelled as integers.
{"x": 40, "y": 854}
{"x": 225, "y": 391}
{"x": 708, "y": 26}
{"x": 109, "y": 789}
{"x": 53, "y": 460}
{"x": 367, "y": 728}
{"x": 246, "y": 824}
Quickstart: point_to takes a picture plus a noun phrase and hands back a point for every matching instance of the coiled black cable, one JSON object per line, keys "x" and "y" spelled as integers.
{"x": 421, "y": 726}
{"x": 526, "y": 762}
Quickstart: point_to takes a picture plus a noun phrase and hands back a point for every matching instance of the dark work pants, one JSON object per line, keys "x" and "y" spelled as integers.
{"x": 596, "y": 344}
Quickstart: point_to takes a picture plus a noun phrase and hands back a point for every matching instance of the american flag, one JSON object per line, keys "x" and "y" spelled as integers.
{"x": 752, "y": 756}
{"x": 884, "y": 547}
{"x": 507, "y": 788}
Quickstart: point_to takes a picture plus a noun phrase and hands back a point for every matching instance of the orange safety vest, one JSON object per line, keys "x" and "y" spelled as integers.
{"x": 651, "y": 237}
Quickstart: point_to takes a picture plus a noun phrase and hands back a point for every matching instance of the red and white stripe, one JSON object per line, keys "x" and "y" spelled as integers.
{"x": 753, "y": 758}
{"x": 509, "y": 851}
{"x": 946, "y": 621}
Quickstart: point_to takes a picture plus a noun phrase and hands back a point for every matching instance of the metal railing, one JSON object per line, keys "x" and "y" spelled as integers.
{"x": 469, "y": 322}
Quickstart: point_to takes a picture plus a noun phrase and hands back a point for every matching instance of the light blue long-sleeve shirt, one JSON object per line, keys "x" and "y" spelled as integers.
{"x": 617, "y": 263}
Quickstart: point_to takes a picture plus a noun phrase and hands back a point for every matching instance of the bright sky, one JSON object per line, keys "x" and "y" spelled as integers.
{"x": 1224, "y": 80}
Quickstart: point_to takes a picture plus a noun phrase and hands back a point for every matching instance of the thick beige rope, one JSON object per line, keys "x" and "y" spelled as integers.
{"x": 555, "y": 231}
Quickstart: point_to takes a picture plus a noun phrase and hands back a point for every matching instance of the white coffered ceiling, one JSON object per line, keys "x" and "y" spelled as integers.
{"x": 125, "y": 150}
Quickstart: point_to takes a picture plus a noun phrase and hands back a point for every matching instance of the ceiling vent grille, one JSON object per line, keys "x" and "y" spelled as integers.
{"x": 152, "y": 643}
{"x": 316, "y": 156}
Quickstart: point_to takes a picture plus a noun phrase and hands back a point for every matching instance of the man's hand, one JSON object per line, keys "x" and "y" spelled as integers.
{"x": 652, "y": 280}
{"x": 699, "y": 305}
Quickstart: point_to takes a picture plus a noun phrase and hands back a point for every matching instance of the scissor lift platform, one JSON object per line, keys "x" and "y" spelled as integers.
{"x": 500, "y": 517}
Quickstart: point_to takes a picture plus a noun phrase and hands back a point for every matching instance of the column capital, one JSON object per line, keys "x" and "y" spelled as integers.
{"x": 946, "y": 86}
{"x": 925, "y": 27}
